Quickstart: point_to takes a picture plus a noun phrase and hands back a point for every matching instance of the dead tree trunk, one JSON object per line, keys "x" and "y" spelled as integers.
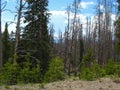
{"x": 0, "y": 39}
{"x": 74, "y": 36}
{"x": 99, "y": 34}
{"x": 17, "y": 36}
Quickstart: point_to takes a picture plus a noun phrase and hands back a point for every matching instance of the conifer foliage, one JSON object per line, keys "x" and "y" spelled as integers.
{"x": 35, "y": 35}
{"x": 6, "y": 44}
{"x": 55, "y": 71}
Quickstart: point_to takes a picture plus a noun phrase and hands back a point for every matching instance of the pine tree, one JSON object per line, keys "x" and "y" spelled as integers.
{"x": 36, "y": 37}
{"x": 5, "y": 44}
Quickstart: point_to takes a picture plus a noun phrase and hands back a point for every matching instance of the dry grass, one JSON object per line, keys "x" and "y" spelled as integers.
{"x": 70, "y": 84}
{"x": 116, "y": 80}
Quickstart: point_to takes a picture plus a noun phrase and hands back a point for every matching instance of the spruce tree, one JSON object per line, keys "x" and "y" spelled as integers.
{"x": 5, "y": 44}
{"x": 36, "y": 36}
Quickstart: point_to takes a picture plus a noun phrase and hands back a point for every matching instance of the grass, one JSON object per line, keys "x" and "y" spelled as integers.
{"x": 7, "y": 87}
{"x": 42, "y": 85}
{"x": 116, "y": 80}
{"x": 16, "y": 88}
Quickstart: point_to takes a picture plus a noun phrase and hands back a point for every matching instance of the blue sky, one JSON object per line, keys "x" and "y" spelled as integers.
{"x": 56, "y": 8}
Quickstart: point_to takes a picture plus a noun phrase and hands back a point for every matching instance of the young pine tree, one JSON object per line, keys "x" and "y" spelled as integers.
{"x": 55, "y": 71}
{"x": 5, "y": 44}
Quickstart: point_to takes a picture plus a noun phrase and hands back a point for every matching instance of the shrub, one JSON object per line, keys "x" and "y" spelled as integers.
{"x": 112, "y": 68}
{"x": 25, "y": 73}
{"x": 91, "y": 73}
{"x": 55, "y": 71}
{"x": 9, "y": 73}
{"x": 87, "y": 58}
{"x": 116, "y": 80}
{"x": 29, "y": 74}
{"x": 97, "y": 69}
{"x": 86, "y": 74}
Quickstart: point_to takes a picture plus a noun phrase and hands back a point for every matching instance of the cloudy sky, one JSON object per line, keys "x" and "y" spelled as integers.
{"x": 57, "y": 8}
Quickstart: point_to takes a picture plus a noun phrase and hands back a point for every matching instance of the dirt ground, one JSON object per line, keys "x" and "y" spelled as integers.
{"x": 70, "y": 84}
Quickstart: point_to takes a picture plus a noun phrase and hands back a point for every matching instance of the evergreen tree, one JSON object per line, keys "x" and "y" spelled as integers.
{"x": 36, "y": 36}
{"x": 5, "y": 44}
{"x": 55, "y": 71}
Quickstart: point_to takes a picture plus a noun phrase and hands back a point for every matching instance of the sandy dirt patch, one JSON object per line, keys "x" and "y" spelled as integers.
{"x": 70, "y": 84}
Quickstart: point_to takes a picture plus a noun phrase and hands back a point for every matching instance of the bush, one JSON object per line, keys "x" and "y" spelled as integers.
{"x": 55, "y": 71}
{"x": 86, "y": 74}
{"x": 97, "y": 69}
{"x": 87, "y": 58}
{"x": 10, "y": 73}
{"x": 117, "y": 72}
{"x": 113, "y": 68}
{"x": 29, "y": 74}
{"x": 91, "y": 73}
{"x": 25, "y": 73}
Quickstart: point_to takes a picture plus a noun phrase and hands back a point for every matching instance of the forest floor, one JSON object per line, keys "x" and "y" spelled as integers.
{"x": 70, "y": 84}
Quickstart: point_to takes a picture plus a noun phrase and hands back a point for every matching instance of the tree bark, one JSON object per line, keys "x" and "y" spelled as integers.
{"x": 0, "y": 39}
{"x": 17, "y": 36}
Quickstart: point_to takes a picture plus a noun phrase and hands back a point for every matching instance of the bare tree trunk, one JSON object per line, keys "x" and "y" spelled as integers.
{"x": 67, "y": 41}
{"x": 99, "y": 34}
{"x": 106, "y": 32}
{"x": 0, "y": 39}
{"x": 94, "y": 40}
{"x": 17, "y": 36}
{"x": 60, "y": 45}
{"x": 73, "y": 43}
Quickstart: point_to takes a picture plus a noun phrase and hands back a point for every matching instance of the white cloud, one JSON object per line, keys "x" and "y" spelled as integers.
{"x": 85, "y": 5}
{"x": 11, "y": 24}
{"x": 62, "y": 16}
{"x": 55, "y": 13}
{"x": 11, "y": 27}
{"x": 113, "y": 17}
{"x": 59, "y": 19}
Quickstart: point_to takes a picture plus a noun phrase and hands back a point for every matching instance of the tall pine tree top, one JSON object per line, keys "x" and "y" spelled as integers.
{"x": 5, "y": 44}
